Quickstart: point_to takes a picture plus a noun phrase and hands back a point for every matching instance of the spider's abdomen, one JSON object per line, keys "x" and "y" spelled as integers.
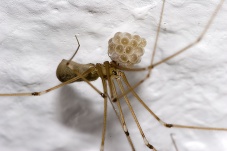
{"x": 64, "y": 73}
{"x": 126, "y": 49}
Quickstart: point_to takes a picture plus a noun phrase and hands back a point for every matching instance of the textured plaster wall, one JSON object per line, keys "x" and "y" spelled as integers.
{"x": 189, "y": 89}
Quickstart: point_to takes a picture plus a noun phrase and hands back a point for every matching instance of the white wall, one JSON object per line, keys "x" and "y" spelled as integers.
{"x": 189, "y": 89}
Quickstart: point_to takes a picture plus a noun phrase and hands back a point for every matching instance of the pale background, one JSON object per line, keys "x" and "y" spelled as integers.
{"x": 190, "y": 89}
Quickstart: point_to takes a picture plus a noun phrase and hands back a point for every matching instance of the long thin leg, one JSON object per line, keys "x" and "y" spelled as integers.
{"x": 47, "y": 90}
{"x": 156, "y": 38}
{"x": 113, "y": 93}
{"x": 123, "y": 125}
{"x": 174, "y": 142}
{"x": 134, "y": 116}
{"x": 79, "y": 75}
{"x": 198, "y": 39}
{"x": 110, "y": 82}
{"x": 121, "y": 117}
{"x": 161, "y": 121}
{"x": 105, "y": 106}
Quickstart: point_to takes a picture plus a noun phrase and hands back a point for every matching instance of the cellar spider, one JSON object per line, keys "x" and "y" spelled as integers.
{"x": 120, "y": 95}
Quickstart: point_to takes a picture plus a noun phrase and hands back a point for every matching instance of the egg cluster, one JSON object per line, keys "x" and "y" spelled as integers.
{"x": 126, "y": 49}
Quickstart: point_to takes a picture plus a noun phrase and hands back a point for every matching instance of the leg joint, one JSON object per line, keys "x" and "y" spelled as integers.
{"x": 35, "y": 93}
{"x": 168, "y": 125}
{"x": 103, "y": 95}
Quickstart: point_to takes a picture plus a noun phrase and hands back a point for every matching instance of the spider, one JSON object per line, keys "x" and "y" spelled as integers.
{"x": 115, "y": 68}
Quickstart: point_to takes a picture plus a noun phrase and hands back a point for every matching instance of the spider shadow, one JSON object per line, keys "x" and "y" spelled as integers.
{"x": 76, "y": 112}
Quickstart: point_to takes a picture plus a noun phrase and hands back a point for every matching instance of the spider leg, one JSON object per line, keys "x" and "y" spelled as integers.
{"x": 156, "y": 38}
{"x": 151, "y": 66}
{"x": 174, "y": 142}
{"x": 134, "y": 116}
{"x": 168, "y": 125}
{"x": 121, "y": 117}
{"x": 99, "y": 68}
{"x": 119, "y": 113}
{"x": 198, "y": 39}
{"x": 47, "y": 90}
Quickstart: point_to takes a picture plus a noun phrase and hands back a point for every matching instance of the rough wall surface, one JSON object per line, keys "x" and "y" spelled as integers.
{"x": 189, "y": 89}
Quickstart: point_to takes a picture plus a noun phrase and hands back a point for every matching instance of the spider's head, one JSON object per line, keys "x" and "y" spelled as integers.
{"x": 126, "y": 49}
